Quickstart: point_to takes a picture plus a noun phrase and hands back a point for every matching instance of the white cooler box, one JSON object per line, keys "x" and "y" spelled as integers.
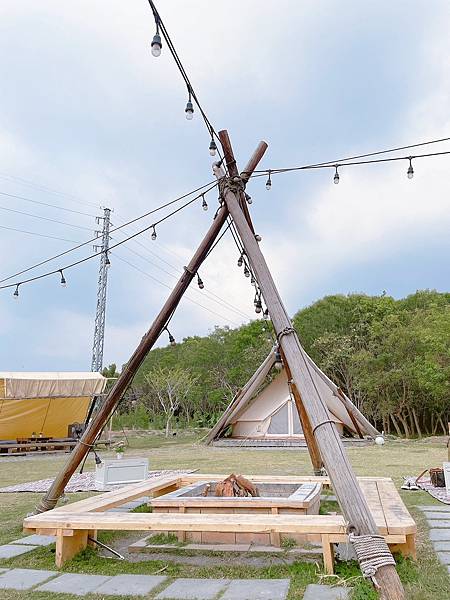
{"x": 120, "y": 472}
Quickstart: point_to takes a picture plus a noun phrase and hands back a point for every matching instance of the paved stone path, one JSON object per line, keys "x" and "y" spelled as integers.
{"x": 438, "y": 519}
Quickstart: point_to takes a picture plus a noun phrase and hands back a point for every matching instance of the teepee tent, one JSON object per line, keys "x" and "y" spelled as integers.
{"x": 45, "y": 403}
{"x": 264, "y": 413}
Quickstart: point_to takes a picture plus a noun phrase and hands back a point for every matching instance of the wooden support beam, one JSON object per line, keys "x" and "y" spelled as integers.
{"x": 345, "y": 485}
{"x": 113, "y": 398}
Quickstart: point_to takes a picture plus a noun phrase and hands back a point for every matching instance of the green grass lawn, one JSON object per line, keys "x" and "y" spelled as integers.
{"x": 425, "y": 579}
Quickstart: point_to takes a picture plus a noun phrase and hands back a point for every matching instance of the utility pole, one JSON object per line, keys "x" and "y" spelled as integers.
{"x": 113, "y": 397}
{"x": 349, "y": 494}
{"x": 100, "y": 315}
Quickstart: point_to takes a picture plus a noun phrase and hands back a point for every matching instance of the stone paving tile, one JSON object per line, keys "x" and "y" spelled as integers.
{"x": 439, "y": 535}
{"x": 434, "y": 507}
{"x": 257, "y": 589}
{"x": 73, "y": 583}
{"x": 130, "y": 585}
{"x": 436, "y": 514}
{"x": 36, "y": 540}
{"x": 11, "y": 550}
{"x": 324, "y": 592}
{"x": 444, "y": 557}
{"x": 193, "y": 589}
{"x": 3, "y": 571}
{"x": 441, "y": 546}
{"x": 24, "y": 579}
{"x": 439, "y": 524}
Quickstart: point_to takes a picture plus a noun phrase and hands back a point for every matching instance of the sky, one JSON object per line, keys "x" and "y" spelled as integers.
{"x": 90, "y": 119}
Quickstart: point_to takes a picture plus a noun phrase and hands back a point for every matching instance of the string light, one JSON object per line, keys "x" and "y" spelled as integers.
{"x": 269, "y": 182}
{"x": 253, "y": 281}
{"x": 410, "y": 171}
{"x": 156, "y": 42}
{"x": 16, "y": 292}
{"x": 153, "y": 236}
{"x": 63, "y": 279}
{"x": 336, "y": 176}
{"x": 278, "y": 360}
{"x": 107, "y": 261}
{"x": 172, "y": 341}
{"x": 246, "y": 271}
{"x": 189, "y": 110}
{"x": 248, "y": 198}
{"x": 240, "y": 261}
{"x": 212, "y": 147}
{"x": 200, "y": 283}
{"x": 258, "y": 238}
{"x": 204, "y": 203}
{"x": 266, "y": 314}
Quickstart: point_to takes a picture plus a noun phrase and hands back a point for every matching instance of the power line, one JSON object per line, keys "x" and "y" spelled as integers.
{"x": 50, "y": 237}
{"x": 77, "y": 212}
{"x": 47, "y": 260}
{"x": 78, "y": 262}
{"x": 20, "y": 212}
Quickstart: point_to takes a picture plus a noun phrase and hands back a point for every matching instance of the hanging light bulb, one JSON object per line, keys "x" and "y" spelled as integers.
{"x": 336, "y": 176}
{"x": 98, "y": 460}
{"x": 248, "y": 198}
{"x": 212, "y": 147}
{"x": 258, "y": 238}
{"x": 269, "y": 182}
{"x": 246, "y": 271}
{"x": 156, "y": 44}
{"x": 200, "y": 283}
{"x": 204, "y": 203}
{"x": 266, "y": 314}
{"x": 153, "y": 236}
{"x": 253, "y": 280}
{"x": 410, "y": 171}
{"x": 16, "y": 292}
{"x": 107, "y": 261}
{"x": 189, "y": 110}
{"x": 278, "y": 360}
{"x": 240, "y": 261}
{"x": 172, "y": 341}
{"x": 258, "y": 306}
{"x": 63, "y": 279}
{"x": 256, "y": 300}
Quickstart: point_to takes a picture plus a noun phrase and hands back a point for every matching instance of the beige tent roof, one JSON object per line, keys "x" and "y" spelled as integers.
{"x": 249, "y": 406}
{"x": 51, "y": 384}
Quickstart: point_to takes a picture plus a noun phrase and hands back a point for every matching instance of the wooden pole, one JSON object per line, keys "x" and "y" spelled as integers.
{"x": 115, "y": 394}
{"x": 351, "y": 499}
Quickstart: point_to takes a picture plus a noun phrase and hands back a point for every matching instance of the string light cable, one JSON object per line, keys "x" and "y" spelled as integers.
{"x": 119, "y": 243}
{"x": 209, "y": 186}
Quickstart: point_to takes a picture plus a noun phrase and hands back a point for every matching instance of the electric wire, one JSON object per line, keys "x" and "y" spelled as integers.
{"x": 50, "y": 237}
{"x": 81, "y": 244}
{"x": 20, "y": 212}
{"x": 77, "y": 212}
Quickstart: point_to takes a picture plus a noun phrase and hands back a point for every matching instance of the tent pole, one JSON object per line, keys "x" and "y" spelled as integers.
{"x": 351, "y": 499}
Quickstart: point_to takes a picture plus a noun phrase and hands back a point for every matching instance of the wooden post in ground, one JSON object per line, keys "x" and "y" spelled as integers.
{"x": 351, "y": 499}
{"x": 115, "y": 394}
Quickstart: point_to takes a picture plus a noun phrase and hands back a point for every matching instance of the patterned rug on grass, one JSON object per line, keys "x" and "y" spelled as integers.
{"x": 79, "y": 482}
{"x": 440, "y": 493}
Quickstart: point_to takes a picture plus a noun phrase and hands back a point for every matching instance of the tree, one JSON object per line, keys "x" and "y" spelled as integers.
{"x": 171, "y": 387}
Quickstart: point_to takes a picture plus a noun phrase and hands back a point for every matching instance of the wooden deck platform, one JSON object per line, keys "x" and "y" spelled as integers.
{"x": 74, "y": 523}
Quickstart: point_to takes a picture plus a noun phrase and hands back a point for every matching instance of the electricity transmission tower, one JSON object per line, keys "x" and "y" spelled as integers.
{"x": 99, "y": 331}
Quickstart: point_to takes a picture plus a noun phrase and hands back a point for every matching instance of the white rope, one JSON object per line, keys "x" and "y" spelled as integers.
{"x": 372, "y": 552}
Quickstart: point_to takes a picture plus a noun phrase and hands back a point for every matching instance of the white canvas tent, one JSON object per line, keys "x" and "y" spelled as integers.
{"x": 268, "y": 413}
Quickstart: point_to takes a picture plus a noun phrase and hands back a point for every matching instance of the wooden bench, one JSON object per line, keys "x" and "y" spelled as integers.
{"x": 74, "y": 523}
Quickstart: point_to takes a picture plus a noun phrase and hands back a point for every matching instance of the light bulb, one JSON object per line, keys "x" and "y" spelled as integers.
{"x": 212, "y": 148}
{"x": 278, "y": 361}
{"x": 200, "y": 283}
{"x": 63, "y": 279}
{"x": 258, "y": 307}
{"x": 172, "y": 341}
{"x": 189, "y": 110}
{"x": 240, "y": 261}
{"x": 107, "y": 261}
{"x": 246, "y": 271}
{"x": 204, "y": 204}
{"x": 410, "y": 171}
{"x": 258, "y": 238}
{"x": 16, "y": 293}
{"x": 156, "y": 45}
{"x": 336, "y": 176}
{"x": 256, "y": 300}
{"x": 269, "y": 182}
{"x": 266, "y": 314}
{"x": 248, "y": 198}
{"x": 153, "y": 236}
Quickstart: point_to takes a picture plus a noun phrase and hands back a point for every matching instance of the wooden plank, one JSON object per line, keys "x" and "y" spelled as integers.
{"x": 398, "y": 519}
{"x": 328, "y": 555}
{"x": 189, "y": 522}
{"x": 194, "y": 477}
{"x": 68, "y": 547}
{"x": 370, "y": 491}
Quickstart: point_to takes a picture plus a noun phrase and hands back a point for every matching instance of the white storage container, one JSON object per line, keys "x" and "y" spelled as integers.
{"x": 120, "y": 472}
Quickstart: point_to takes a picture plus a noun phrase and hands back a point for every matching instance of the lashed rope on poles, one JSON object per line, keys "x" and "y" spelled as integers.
{"x": 372, "y": 553}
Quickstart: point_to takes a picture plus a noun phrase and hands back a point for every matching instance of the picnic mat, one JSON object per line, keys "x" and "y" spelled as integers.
{"x": 440, "y": 493}
{"x": 79, "y": 482}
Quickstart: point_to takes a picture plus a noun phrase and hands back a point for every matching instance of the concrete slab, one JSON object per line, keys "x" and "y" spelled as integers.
{"x": 441, "y": 524}
{"x": 441, "y": 546}
{"x": 3, "y": 571}
{"x": 439, "y": 535}
{"x": 73, "y": 583}
{"x": 130, "y": 585}
{"x": 324, "y": 592}
{"x": 36, "y": 540}
{"x": 11, "y": 550}
{"x": 436, "y": 514}
{"x": 444, "y": 557}
{"x": 257, "y": 589}
{"x": 193, "y": 589}
{"x": 24, "y": 579}
{"x": 436, "y": 507}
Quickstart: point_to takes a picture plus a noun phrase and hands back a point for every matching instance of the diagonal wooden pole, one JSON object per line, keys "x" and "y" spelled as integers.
{"x": 351, "y": 499}
{"x": 112, "y": 399}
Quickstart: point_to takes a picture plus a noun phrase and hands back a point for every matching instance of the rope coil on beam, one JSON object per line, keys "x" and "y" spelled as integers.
{"x": 372, "y": 553}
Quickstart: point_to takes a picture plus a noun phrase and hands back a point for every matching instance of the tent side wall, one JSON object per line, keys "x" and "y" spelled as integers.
{"x": 51, "y": 416}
